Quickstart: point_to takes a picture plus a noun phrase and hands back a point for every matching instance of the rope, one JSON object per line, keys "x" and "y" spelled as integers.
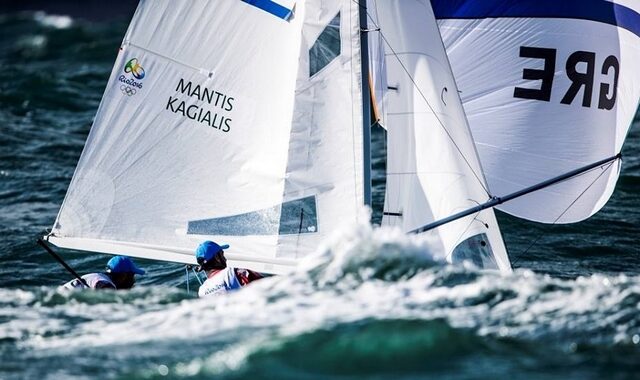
{"x": 186, "y": 271}
{"x": 567, "y": 209}
{"x": 195, "y": 273}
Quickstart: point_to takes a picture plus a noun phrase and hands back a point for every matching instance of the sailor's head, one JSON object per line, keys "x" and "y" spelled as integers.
{"x": 122, "y": 271}
{"x": 210, "y": 255}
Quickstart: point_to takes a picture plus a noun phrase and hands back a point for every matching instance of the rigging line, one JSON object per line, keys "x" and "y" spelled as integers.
{"x": 415, "y": 85}
{"x": 565, "y": 211}
{"x": 186, "y": 271}
{"x": 195, "y": 274}
{"x": 301, "y": 220}
{"x": 495, "y": 201}
{"x": 66, "y": 266}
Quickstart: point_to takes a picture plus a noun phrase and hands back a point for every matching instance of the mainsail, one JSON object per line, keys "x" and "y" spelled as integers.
{"x": 432, "y": 165}
{"x": 236, "y": 121}
{"x": 548, "y": 87}
{"x": 250, "y": 132}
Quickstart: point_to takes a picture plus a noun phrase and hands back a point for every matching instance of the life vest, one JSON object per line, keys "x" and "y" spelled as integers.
{"x": 221, "y": 282}
{"x": 227, "y": 279}
{"x": 94, "y": 280}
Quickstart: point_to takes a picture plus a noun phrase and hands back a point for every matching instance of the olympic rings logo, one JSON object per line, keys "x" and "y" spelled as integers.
{"x": 127, "y": 90}
{"x": 134, "y": 68}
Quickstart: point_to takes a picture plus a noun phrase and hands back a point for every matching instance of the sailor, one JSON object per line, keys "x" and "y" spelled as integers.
{"x": 220, "y": 278}
{"x": 119, "y": 274}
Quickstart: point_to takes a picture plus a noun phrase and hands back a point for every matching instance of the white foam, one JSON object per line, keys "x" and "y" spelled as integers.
{"x": 53, "y": 21}
{"x": 359, "y": 275}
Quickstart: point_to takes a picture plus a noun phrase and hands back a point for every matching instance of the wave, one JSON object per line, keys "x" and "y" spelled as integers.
{"x": 371, "y": 301}
{"x": 53, "y": 21}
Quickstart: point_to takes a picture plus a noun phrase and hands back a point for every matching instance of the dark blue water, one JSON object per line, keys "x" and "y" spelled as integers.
{"x": 572, "y": 310}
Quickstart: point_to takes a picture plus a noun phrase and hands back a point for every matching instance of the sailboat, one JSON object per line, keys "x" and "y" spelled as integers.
{"x": 247, "y": 122}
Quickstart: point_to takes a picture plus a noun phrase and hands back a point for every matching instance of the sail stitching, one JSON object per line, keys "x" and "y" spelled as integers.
{"x": 396, "y": 55}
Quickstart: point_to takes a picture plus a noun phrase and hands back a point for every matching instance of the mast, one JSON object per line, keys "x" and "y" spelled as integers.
{"x": 366, "y": 102}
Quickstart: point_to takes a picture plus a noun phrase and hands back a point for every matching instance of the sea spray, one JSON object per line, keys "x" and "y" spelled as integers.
{"x": 360, "y": 252}
{"x": 369, "y": 295}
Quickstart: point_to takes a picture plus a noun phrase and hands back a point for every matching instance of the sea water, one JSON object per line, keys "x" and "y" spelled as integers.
{"x": 370, "y": 303}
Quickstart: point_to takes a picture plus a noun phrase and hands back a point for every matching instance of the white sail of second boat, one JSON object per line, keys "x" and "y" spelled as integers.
{"x": 548, "y": 86}
{"x": 432, "y": 166}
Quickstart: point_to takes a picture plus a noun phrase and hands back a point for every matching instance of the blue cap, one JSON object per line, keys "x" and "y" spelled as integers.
{"x": 123, "y": 264}
{"x": 208, "y": 250}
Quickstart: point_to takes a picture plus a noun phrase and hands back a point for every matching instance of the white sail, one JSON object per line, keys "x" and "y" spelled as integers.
{"x": 208, "y": 129}
{"x": 432, "y": 168}
{"x": 325, "y": 160}
{"x": 548, "y": 87}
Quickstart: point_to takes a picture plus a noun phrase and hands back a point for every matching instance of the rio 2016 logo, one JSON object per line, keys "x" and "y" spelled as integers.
{"x": 129, "y": 85}
{"x": 134, "y": 67}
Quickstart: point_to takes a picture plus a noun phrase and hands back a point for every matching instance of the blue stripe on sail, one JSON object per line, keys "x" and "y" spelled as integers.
{"x": 271, "y": 7}
{"x": 594, "y": 10}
